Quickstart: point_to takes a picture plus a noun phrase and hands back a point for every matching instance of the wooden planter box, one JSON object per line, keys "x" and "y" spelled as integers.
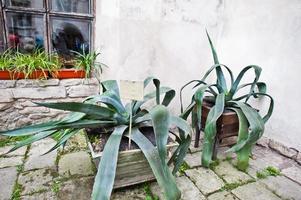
{"x": 132, "y": 166}
{"x": 227, "y": 126}
{"x": 68, "y": 73}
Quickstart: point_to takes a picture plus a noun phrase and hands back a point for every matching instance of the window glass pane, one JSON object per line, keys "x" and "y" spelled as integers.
{"x": 26, "y": 3}
{"x": 76, "y": 6}
{"x": 70, "y": 35}
{"x": 25, "y": 31}
{"x": 2, "y": 43}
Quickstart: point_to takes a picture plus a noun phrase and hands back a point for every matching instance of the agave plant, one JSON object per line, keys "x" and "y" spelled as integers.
{"x": 251, "y": 123}
{"x": 107, "y": 110}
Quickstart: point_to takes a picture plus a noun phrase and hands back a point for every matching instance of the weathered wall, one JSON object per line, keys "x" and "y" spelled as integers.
{"x": 166, "y": 38}
{"x": 17, "y": 97}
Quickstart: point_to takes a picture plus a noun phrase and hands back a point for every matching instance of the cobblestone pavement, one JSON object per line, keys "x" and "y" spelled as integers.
{"x": 26, "y": 175}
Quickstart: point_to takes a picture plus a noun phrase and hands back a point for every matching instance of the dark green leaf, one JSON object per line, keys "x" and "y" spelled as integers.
{"x": 104, "y": 180}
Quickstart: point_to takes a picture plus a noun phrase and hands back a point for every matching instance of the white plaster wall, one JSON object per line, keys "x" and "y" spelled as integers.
{"x": 166, "y": 38}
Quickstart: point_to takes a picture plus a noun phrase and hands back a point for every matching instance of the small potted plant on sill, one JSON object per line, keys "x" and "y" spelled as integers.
{"x": 81, "y": 66}
{"x": 33, "y": 66}
{"x": 7, "y": 66}
{"x": 16, "y": 65}
{"x": 106, "y": 111}
{"x": 218, "y": 111}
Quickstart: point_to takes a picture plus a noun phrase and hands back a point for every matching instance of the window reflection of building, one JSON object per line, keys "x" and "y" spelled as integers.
{"x": 75, "y": 6}
{"x": 28, "y": 24}
{"x": 23, "y": 32}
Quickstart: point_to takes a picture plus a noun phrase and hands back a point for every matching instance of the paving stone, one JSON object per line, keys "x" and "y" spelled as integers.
{"x": 193, "y": 149}
{"x": 264, "y": 157}
{"x": 193, "y": 160}
{"x": 35, "y": 181}
{"x": 36, "y": 159}
{"x": 188, "y": 189}
{"x": 263, "y": 141}
{"x": 205, "y": 179}
{"x": 222, "y": 155}
{"x": 7, "y": 182}
{"x": 254, "y": 191}
{"x": 77, "y": 142}
{"x": 230, "y": 174}
{"x": 136, "y": 193}
{"x": 19, "y": 152}
{"x": 283, "y": 187}
{"x": 224, "y": 195}
{"x": 293, "y": 173}
{"x": 78, "y": 163}
{"x": 11, "y": 161}
{"x": 79, "y": 189}
{"x": 40, "y": 196}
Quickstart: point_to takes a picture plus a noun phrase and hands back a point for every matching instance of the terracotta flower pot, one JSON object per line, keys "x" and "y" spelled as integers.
{"x": 68, "y": 73}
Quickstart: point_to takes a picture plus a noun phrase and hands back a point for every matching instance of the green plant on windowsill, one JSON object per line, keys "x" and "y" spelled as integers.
{"x": 6, "y": 60}
{"x": 107, "y": 111}
{"x": 28, "y": 64}
{"x": 251, "y": 123}
{"x": 87, "y": 62}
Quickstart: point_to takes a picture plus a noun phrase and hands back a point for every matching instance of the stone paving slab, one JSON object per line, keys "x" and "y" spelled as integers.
{"x": 40, "y": 196}
{"x": 224, "y": 195}
{"x": 11, "y": 161}
{"x": 254, "y": 191}
{"x": 7, "y": 182}
{"x": 35, "y": 181}
{"x": 19, "y": 152}
{"x": 205, "y": 179}
{"x": 230, "y": 174}
{"x": 79, "y": 189}
{"x": 136, "y": 193}
{"x": 283, "y": 187}
{"x": 188, "y": 189}
{"x": 78, "y": 163}
{"x": 293, "y": 173}
{"x": 36, "y": 159}
{"x": 193, "y": 160}
{"x": 264, "y": 157}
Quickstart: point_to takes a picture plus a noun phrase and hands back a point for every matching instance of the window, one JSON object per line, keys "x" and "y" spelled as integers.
{"x": 61, "y": 26}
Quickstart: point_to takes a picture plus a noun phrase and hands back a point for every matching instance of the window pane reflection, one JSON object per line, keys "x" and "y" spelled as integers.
{"x": 26, "y": 3}
{"x": 25, "y": 31}
{"x": 2, "y": 43}
{"x": 70, "y": 35}
{"x": 76, "y": 6}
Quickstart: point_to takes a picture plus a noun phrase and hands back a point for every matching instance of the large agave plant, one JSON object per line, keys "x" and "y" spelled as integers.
{"x": 251, "y": 123}
{"x": 107, "y": 110}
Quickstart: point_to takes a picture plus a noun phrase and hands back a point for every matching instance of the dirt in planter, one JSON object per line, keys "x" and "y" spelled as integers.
{"x": 98, "y": 140}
